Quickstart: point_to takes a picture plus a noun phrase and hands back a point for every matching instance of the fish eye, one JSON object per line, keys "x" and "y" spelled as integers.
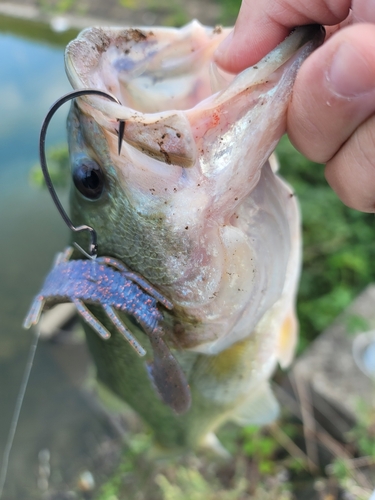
{"x": 88, "y": 178}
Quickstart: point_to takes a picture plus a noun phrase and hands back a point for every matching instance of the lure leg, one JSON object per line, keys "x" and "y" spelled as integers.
{"x": 119, "y": 325}
{"x": 167, "y": 376}
{"x": 89, "y": 318}
{"x": 149, "y": 289}
{"x": 33, "y": 317}
{"x": 63, "y": 256}
{"x": 110, "y": 261}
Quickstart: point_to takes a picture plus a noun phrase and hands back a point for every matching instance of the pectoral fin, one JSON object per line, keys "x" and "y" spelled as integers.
{"x": 287, "y": 340}
{"x": 260, "y": 408}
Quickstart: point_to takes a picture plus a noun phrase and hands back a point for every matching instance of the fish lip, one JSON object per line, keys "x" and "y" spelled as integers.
{"x": 92, "y": 61}
{"x": 308, "y": 36}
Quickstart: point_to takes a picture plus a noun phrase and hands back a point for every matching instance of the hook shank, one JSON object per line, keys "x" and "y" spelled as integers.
{"x": 93, "y": 250}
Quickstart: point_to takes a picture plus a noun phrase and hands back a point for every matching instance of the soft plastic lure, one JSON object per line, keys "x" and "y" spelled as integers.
{"x": 105, "y": 281}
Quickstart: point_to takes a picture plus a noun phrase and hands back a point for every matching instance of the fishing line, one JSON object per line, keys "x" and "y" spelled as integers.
{"x": 17, "y": 409}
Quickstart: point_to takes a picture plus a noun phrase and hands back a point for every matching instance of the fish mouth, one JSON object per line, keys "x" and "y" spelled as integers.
{"x": 167, "y": 78}
{"x": 190, "y": 203}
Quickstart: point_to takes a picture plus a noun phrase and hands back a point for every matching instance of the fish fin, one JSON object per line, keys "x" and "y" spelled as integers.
{"x": 274, "y": 163}
{"x": 211, "y": 443}
{"x": 259, "y": 409}
{"x": 287, "y": 340}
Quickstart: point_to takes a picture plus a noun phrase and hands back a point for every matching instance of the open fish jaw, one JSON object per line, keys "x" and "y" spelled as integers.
{"x": 150, "y": 69}
{"x": 193, "y": 204}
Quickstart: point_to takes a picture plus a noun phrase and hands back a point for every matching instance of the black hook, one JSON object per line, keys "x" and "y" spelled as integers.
{"x": 93, "y": 249}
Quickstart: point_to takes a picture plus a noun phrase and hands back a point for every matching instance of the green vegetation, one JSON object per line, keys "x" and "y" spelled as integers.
{"x": 62, "y": 6}
{"x": 363, "y": 433}
{"x": 128, "y": 4}
{"x": 229, "y": 11}
{"x": 265, "y": 464}
{"x": 201, "y": 477}
{"x": 190, "y": 484}
{"x": 58, "y": 168}
{"x": 339, "y": 253}
{"x": 352, "y": 474}
{"x": 261, "y": 448}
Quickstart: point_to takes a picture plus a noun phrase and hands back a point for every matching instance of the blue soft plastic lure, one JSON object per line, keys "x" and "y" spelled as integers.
{"x": 105, "y": 281}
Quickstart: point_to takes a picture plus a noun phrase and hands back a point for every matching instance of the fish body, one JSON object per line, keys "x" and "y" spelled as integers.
{"x": 193, "y": 206}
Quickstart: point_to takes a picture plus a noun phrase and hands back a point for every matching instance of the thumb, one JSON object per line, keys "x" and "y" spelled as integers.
{"x": 263, "y": 24}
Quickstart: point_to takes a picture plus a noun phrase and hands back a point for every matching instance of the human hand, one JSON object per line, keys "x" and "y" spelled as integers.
{"x": 331, "y": 117}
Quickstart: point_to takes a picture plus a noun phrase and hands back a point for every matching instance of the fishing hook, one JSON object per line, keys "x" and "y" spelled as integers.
{"x": 93, "y": 249}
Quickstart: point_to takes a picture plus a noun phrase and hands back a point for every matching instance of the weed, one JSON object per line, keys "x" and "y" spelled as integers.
{"x": 260, "y": 447}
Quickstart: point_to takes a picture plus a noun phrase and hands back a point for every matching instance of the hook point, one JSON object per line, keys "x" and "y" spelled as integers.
{"x": 121, "y": 131}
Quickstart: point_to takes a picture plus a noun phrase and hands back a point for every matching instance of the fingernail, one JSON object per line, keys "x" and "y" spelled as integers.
{"x": 350, "y": 74}
{"x": 221, "y": 51}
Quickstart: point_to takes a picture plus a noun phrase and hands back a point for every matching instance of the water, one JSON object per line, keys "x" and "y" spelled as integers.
{"x": 364, "y": 353}
{"x": 369, "y": 358}
{"x": 32, "y": 77}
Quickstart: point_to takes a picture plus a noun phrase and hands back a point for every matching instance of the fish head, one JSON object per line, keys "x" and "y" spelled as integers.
{"x": 190, "y": 203}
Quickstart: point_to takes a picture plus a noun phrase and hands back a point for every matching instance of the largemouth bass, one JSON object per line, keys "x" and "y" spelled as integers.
{"x": 193, "y": 205}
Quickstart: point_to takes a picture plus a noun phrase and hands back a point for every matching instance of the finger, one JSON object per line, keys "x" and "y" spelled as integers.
{"x": 263, "y": 24}
{"x": 334, "y": 93}
{"x": 351, "y": 172}
{"x": 363, "y": 11}
{"x": 331, "y": 30}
